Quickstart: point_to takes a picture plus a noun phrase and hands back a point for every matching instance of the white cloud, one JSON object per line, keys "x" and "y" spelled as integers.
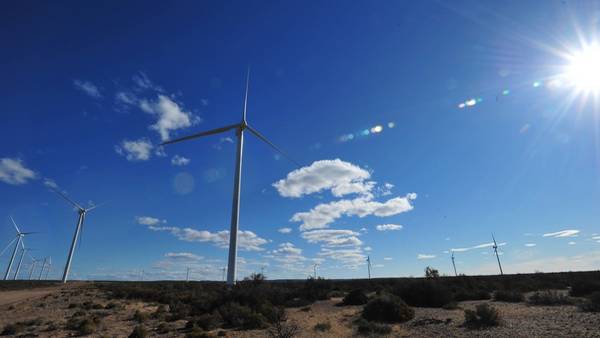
{"x": 425, "y": 256}
{"x": 572, "y": 243}
{"x": 126, "y": 98}
{"x": 88, "y": 88}
{"x": 530, "y": 245}
{"x": 596, "y": 238}
{"x": 50, "y": 183}
{"x": 13, "y": 172}
{"x": 340, "y": 177}
{"x": 368, "y": 248}
{"x": 138, "y": 150}
{"x": 562, "y": 233}
{"x": 180, "y": 160}
{"x": 351, "y": 258}
{"x": 333, "y": 238}
{"x": 323, "y": 214}
{"x": 287, "y": 248}
{"x": 183, "y": 256}
{"x": 247, "y": 240}
{"x": 147, "y": 220}
{"x": 289, "y": 255}
{"x": 170, "y": 116}
{"x": 387, "y": 258}
{"x": 284, "y": 230}
{"x": 142, "y": 81}
{"x": 388, "y": 227}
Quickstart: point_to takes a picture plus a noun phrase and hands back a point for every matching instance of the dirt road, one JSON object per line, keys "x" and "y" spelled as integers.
{"x": 11, "y": 297}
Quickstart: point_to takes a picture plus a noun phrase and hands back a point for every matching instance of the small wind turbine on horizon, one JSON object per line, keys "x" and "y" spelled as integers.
{"x": 19, "y": 238}
{"x": 33, "y": 263}
{"x": 43, "y": 267}
{"x": 239, "y": 127}
{"x": 23, "y": 251}
{"x": 82, "y": 212}
{"x": 315, "y": 270}
{"x": 369, "y": 265}
{"x": 497, "y": 257}
{"x": 453, "y": 264}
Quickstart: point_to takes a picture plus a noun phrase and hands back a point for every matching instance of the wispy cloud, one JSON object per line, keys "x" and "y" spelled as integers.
{"x": 284, "y": 230}
{"x": 333, "y": 238}
{"x": 12, "y": 171}
{"x": 425, "y": 256}
{"x": 88, "y": 88}
{"x": 387, "y": 258}
{"x": 183, "y": 256}
{"x": 479, "y": 246}
{"x": 562, "y": 233}
{"x": 136, "y": 150}
{"x": 530, "y": 245}
{"x": 147, "y": 220}
{"x": 388, "y": 227}
{"x": 180, "y": 160}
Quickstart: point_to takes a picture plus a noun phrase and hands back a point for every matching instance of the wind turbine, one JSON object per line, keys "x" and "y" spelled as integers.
{"x": 497, "y": 257}
{"x": 453, "y": 264}
{"x": 19, "y": 239}
{"x": 43, "y": 267}
{"x": 315, "y": 269}
{"x": 82, "y": 212}
{"x": 34, "y": 262}
{"x": 23, "y": 251}
{"x": 49, "y": 267}
{"x": 224, "y": 268}
{"x": 369, "y": 265}
{"x": 239, "y": 128}
{"x": 187, "y": 275}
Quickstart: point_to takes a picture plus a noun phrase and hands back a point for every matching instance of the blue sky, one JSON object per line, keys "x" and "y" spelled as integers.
{"x": 421, "y": 127}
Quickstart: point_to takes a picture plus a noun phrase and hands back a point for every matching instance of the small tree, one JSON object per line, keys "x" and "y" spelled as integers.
{"x": 280, "y": 328}
{"x": 431, "y": 272}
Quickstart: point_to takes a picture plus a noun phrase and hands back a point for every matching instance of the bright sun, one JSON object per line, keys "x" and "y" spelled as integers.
{"x": 584, "y": 69}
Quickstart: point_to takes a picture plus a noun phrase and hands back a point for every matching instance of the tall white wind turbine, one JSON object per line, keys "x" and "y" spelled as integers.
{"x": 453, "y": 264}
{"x": 239, "y": 128}
{"x": 18, "y": 239}
{"x": 369, "y": 265}
{"x": 33, "y": 264}
{"x": 82, "y": 212}
{"x": 23, "y": 251}
{"x": 497, "y": 257}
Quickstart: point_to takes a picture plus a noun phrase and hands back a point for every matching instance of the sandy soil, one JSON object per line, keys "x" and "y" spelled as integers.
{"x": 50, "y": 309}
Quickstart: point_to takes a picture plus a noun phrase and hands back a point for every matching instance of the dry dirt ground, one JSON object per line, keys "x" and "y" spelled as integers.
{"x": 47, "y": 311}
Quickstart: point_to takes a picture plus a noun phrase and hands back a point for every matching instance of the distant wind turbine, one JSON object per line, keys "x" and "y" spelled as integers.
{"x": 453, "y": 264}
{"x": 239, "y": 127}
{"x": 19, "y": 239}
{"x": 49, "y": 268}
{"x": 82, "y": 212}
{"x": 187, "y": 275}
{"x": 23, "y": 251}
{"x": 369, "y": 265}
{"x": 43, "y": 267}
{"x": 33, "y": 263}
{"x": 315, "y": 269}
{"x": 497, "y": 257}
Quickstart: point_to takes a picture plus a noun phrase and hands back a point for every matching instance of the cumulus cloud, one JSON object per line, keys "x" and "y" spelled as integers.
{"x": 425, "y": 256}
{"x": 388, "y": 227}
{"x": 247, "y": 240}
{"x": 340, "y": 177}
{"x": 323, "y": 214}
{"x": 12, "y": 171}
{"x": 147, "y": 220}
{"x": 137, "y": 150}
{"x": 562, "y": 233}
{"x": 333, "y": 238}
{"x": 170, "y": 115}
{"x": 284, "y": 230}
{"x": 88, "y": 88}
{"x": 351, "y": 258}
{"x": 180, "y": 160}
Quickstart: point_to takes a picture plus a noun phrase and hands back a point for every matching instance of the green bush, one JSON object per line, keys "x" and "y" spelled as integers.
{"x": 355, "y": 297}
{"x": 387, "y": 308}
{"x": 367, "y": 328}
{"x": 240, "y": 316}
{"x": 508, "y": 296}
{"x": 326, "y": 326}
{"x": 592, "y": 303}
{"x": 549, "y": 297}
{"x": 483, "y": 316}
{"x": 208, "y": 321}
{"x": 425, "y": 293}
{"x": 138, "y": 332}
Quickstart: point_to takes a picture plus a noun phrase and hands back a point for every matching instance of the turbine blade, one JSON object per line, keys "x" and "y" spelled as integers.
{"x": 29, "y": 233}
{"x": 246, "y": 95}
{"x": 95, "y": 206}
{"x": 264, "y": 139}
{"x": 15, "y": 224}
{"x": 201, "y": 134}
{"x": 66, "y": 198}
{"x": 9, "y": 244}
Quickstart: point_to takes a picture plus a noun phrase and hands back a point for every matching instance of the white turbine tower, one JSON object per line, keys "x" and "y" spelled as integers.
{"x": 369, "y": 265}
{"x": 82, "y": 212}
{"x": 23, "y": 251}
{"x": 43, "y": 267}
{"x": 497, "y": 257}
{"x": 33, "y": 263}
{"x": 239, "y": 127}
{"x": 453, "y": 264}
{"x": 19, "y": 239}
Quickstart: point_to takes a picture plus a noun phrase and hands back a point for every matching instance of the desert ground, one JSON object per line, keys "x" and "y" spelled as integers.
{"x": 84, "y": 309}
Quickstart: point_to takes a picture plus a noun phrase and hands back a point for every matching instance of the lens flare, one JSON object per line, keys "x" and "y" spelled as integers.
{"x": 584, "y": 69}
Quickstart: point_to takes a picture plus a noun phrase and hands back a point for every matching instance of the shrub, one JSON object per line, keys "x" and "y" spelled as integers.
{"x": 508, "y": 296}
{"x": 326, "y": 326}
{"x": 138, "y": 332}
{"x": 425, "y": 293}
{"x": 431, "y": 272}
{"x": 592, "y": 303}
{"x": 280, "y": 328}
{"x": 483, "y": 316}
{"x": 197, "y": 333}
{"x": 355, "y": 297}
{"x": 208, "y": 321}
{"x": 12, "y": 329}
{"x": 549, "y": 297}
{"x": 140, "y": 317}
{"x": 164, "y": 328}
{"x": 450, "y": 306}
{"x": 387, "y": 308}
{"x": 83, "y": 326}
{"x": 584, "y": 288}
{"x": 365, "y": 327}
{"x": 240, "y": 316}
{"x": 469, "y": 294}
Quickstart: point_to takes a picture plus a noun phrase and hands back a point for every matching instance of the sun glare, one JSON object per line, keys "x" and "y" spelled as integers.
{"x": 584, "y": 69}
